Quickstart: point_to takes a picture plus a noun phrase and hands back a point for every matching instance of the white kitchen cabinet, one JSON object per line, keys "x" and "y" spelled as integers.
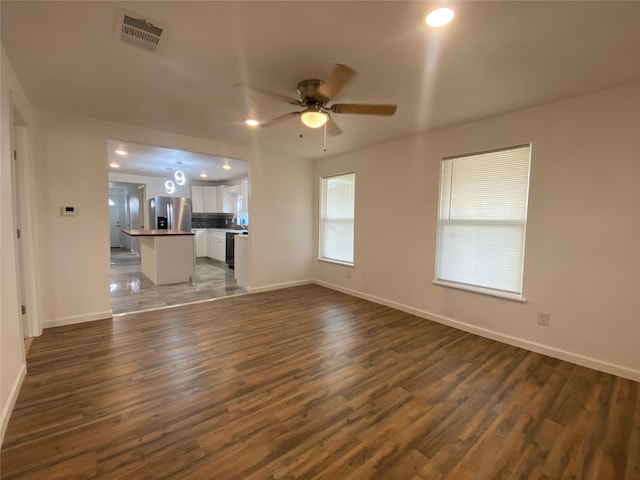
{"x": 201, "y": 242}
{"x": 204, "y": 199}
{"x": 197, "y": 199}
{"x": 216, "y": 245}
{"x": 220, "y": 194}
{"x": 221, "y": 247}
{"x": 210, "y": 243}
{"x": 210, "y": 199}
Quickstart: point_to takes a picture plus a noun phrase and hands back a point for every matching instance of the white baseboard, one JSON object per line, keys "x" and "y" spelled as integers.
{"x": 560, "y": 354}
{"x": 11, "y": 399}
{"x": 278, "y": 286}
{"x": 90, "y": 317}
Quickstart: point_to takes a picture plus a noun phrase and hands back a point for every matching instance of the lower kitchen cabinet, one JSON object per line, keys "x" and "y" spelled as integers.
{"x": 201, "y": 242}
{"x": 216, "y": 245}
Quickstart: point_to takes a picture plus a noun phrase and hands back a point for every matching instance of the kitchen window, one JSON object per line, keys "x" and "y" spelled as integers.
{"x": 337, "y": 200}
{"x": 482, "y": 218}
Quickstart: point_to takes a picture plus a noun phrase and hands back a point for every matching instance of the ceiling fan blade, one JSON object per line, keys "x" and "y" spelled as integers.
{"x": 339, "y": 77}
{"x": 332, "y": 128}
{"x": 279, "y": 119}
{"x": 282, "y": 98}
{"x": 361, "y": 109}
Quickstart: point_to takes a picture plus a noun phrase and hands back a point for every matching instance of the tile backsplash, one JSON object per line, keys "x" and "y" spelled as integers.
{"x": 212, "y": 220}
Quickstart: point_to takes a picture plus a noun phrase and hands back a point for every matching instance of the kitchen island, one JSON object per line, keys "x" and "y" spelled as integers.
{"x": 167, "y": 256}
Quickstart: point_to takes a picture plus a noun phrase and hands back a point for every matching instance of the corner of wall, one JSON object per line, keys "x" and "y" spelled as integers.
{"x": 7, "y": 408}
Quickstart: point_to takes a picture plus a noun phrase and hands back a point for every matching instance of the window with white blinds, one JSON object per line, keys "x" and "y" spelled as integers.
{"x": 482, "y": 220}
{"x": 336, "y": 217}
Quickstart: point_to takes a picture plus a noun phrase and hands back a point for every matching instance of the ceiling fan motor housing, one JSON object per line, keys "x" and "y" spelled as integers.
{"x": 308, "y": 91}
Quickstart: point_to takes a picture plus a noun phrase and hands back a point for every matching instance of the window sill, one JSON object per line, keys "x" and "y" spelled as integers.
{"x": 483, "y": 291}
{"x": 335, "y": 262}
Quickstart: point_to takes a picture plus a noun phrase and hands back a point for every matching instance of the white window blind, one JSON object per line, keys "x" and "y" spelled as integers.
{"x": 336, "y": 217}
{"x": 482, "y": 220}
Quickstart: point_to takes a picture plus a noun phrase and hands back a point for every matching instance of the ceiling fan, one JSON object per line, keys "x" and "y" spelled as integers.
{"x": 314, "y": 96}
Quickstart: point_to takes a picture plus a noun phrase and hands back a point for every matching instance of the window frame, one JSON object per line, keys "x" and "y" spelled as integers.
{"x": 492, "y": 291}
{"x": 322, "y": 218}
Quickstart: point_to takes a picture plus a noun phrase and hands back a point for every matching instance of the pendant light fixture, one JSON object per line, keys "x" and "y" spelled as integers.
{"x": 179, "y": 177}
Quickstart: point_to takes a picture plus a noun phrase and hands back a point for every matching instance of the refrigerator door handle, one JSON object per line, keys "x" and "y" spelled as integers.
{"x": 170, "y": 216}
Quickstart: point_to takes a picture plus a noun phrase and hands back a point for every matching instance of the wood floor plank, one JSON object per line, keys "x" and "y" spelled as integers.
{"x": 309, "y": 383}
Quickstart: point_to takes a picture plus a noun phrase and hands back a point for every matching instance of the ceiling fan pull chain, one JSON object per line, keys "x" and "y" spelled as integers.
{"x": 325, "y": 136}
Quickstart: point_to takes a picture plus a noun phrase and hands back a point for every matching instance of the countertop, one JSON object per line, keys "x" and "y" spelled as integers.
{"x": 155, "y": 233}
{"x": 232, "y": 230}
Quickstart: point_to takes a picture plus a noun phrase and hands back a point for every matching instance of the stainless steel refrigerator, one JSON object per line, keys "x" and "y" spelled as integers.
{"x": 170, "y": 213}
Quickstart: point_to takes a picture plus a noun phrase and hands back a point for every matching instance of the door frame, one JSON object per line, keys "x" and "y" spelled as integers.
{"x": 23, "y": 198}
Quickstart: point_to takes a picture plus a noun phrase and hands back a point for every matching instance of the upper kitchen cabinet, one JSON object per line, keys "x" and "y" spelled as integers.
{"x": 224, "y": 203}
{"x": 204, "y": 199}
{"x": 221, "y": 199}
{"x": 197, "y": 199}
{"x": 210, "y": 195}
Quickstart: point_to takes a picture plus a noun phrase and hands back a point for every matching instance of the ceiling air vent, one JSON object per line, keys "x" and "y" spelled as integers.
{"x": 137, "y": 30}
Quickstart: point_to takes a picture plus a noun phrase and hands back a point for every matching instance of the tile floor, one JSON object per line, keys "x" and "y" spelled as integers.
{"x": 132, "y": 291}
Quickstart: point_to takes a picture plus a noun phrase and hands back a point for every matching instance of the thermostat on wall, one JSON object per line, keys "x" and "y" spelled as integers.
{"x": 69, "y": 211}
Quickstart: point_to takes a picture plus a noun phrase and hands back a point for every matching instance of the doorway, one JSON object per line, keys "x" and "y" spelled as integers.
{"x": 116, "y": 218}
{"x": 17, "y": 218}
{"x": 137, "y": 174}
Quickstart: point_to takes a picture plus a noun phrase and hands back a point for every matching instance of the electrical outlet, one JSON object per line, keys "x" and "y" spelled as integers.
{"x": 544, "y": 318}
{"x": 349, "y": 274}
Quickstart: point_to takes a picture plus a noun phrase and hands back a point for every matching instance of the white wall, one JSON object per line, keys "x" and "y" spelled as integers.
{"x": 154, "y": 185}
{"x": 72, "y": 170}
{"x": 582, "y": 262}
{"x": 12, "y": 358}
{"x": 280, "y": 222}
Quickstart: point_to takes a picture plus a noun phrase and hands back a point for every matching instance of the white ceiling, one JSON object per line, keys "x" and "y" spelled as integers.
{"x": 494, "y": 57}
{"x": 164, "y": 162}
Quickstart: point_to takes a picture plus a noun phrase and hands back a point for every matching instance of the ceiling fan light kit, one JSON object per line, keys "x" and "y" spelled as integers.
{"x": 314, "y": 118}
{"x": 314, "y": 96}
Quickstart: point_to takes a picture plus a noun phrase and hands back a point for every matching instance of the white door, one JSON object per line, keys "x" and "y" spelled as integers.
{"x": 15, "y": 171}
{"x": 116, "y": 219}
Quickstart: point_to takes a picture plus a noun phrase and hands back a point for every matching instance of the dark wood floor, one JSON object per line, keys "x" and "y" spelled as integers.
{"x": 310, "y": 383}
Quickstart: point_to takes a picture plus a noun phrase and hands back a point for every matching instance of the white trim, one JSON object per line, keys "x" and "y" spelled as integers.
{"x": 483, "y": 291}
{"x": 278, "y": 286}
{"x": 576, "y": 358}
{"x": 164, "y": 307}
{"x": 335, "y": 262}
{"x": 11, "y": 399}
{"x": 90, "y": 317}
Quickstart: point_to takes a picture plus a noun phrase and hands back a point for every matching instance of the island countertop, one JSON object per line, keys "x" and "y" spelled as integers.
{"x": 155, "y": 233}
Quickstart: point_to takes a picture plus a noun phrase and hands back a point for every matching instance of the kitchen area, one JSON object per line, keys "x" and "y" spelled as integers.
{"x": 190, "y": 241}
{"x": 219, "y": 213}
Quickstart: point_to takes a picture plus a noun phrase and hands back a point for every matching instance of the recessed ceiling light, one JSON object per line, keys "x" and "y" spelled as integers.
{"x": 439, "y": 17}
{"x": 203, "y": 174}
{"x": 252, "y": 122}
{"x": 114, "y": 165}
{"x": 121, "y": 152}
{"x": 226, "y": 166}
